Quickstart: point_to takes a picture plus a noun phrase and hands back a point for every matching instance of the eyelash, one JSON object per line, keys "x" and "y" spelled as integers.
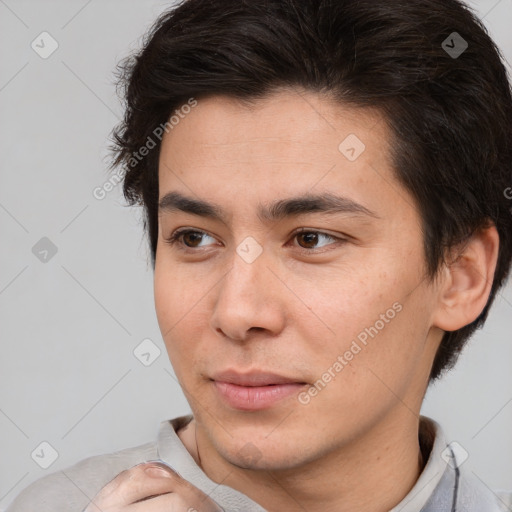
{"x": 175, "y": 239}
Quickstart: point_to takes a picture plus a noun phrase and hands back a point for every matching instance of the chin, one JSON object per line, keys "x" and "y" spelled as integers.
{"x": 263, "y": 452}
{"x": 251, "y": 458}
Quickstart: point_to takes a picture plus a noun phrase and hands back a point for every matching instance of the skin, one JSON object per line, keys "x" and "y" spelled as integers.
{"x": 165, "y": 489}
{"x": 303, "y": 301}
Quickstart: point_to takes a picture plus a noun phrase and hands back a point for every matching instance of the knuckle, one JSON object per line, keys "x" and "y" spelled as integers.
{"x": 157, "y": 469}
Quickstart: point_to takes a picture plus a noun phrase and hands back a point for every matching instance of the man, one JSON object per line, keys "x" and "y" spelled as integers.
{"x": 323, "y": 184}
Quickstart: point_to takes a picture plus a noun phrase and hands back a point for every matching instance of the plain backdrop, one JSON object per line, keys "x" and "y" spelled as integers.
{"x": 70, "y": 320}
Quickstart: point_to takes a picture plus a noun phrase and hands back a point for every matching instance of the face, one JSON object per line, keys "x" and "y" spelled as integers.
{"x": 293, "y": 304}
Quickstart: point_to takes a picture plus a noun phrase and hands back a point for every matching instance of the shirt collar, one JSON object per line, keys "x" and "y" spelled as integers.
{"x": 437, "y": 467}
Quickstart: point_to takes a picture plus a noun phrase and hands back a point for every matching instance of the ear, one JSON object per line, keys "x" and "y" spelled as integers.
{"x": 466, "y": 280}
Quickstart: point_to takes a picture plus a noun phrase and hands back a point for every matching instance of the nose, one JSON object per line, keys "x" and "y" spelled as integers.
{"x": 249, "y": 300}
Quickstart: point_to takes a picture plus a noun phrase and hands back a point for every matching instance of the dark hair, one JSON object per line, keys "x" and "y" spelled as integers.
{"x": 450, "y": 115}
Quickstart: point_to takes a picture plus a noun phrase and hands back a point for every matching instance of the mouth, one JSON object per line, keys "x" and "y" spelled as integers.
{"x": 255, "y": 390}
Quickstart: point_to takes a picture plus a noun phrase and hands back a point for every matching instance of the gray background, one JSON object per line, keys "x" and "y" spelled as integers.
{"x": 70, "y": 325}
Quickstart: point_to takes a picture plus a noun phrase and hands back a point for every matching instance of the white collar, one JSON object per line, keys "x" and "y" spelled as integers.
{"x": 433, "y": 471}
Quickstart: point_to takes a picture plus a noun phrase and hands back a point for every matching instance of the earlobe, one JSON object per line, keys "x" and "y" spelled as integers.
{"x": 467, "y": 280}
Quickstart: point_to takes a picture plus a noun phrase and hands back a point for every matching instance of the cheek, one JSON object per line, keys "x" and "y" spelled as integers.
{"x": 179, "y": 312}
{"x": 369, "y": 368}
{"x": 179, "y": 290}
{"x": 343, "y": 302}
{"x": 367, "y": 317}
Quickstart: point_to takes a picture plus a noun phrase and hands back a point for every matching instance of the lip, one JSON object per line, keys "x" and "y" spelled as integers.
{"x": 254, "y": 390}
{"x": 254, "y": 378}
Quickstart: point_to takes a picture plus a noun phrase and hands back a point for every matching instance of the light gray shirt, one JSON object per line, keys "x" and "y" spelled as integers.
{"x": 443, "y": 486}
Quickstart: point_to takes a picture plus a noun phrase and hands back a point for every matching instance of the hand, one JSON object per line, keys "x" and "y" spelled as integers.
{"x": 151, "y": 487}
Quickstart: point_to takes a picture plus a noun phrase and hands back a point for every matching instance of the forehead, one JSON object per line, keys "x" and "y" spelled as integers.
{"x": 302, "y": 117}
{"x": 287, "y": 143}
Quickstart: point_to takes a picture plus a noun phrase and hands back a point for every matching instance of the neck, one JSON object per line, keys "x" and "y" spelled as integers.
{"x": 374, "y": 473}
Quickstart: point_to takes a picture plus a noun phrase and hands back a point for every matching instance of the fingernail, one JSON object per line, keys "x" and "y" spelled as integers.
{"x": 157, "y": 472}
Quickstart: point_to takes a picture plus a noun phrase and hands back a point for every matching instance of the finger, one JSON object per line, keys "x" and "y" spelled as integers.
{"x": 134, "y": 484}
{"x": 192, "y": 500}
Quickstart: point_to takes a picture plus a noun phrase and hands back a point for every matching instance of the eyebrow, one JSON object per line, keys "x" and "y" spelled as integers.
{"x": 301, "y": 205}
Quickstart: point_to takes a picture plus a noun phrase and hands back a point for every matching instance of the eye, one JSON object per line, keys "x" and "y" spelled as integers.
{"x": 310, "y": 239}
{"x": 190, "y": 238}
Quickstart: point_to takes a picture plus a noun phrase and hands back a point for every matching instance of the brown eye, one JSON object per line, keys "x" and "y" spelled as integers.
{"x": 188, "y": 239}
{"x": 192, "y": 238}
{"x": 309, "y": 239}
{"x": 312, "y": 240}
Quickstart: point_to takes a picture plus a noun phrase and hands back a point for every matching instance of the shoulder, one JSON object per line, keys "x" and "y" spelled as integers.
{"x": 505, "y": 500}
{"x": 72, "y": 488}
{"x": 475, "y": 495}
{"x": 448, "y": 482}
